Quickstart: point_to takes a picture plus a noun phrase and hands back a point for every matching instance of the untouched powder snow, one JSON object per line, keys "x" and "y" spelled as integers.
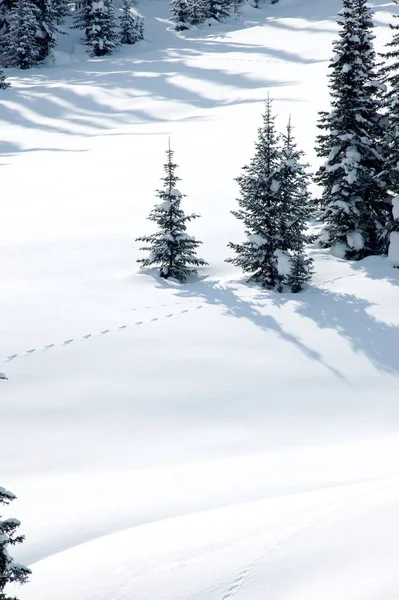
{"x": 203, "y": 441}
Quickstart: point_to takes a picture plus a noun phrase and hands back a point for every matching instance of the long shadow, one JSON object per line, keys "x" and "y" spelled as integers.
{"x": 71, "y": 107}
{"x": 348, "y": 315}
{"x": 345, "y": 314}
{"x": 231, "y": 304}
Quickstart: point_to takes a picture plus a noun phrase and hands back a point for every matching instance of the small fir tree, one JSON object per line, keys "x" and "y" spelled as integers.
{"x": 355, "y": 199}
{"x": 3, "y": 82}
{"x": 171, "y": 248}
{"x": 181, "y": 14}
{"x": 10, "y": 571}
{"x": 20, "y": 43}
{"x": 259, "y": 208}
{"x": 130, "y": 24}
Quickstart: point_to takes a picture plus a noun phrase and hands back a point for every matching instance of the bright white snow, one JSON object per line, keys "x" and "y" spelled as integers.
{"x": 204, "y": 441}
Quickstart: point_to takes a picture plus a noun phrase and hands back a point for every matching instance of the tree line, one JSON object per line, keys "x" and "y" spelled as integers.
{"x": 359, "y": 177}
{"x": 30, "y": 28}
{"x": 187, "y": 13}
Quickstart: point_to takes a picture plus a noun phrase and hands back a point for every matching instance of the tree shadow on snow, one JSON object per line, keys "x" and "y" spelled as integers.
{"x": 225, "y": 297}
{"x": 345, "y": 314}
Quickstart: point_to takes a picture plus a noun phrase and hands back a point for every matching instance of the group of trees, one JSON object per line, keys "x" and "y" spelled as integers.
{"x": 10, "y": 571}
{"x": 186, "y": 13}
{"x": 359, "y": 177}
{"x": 30, "y": 28}
{"x": 274, "y": 205}
{"x": 102, "y": 34}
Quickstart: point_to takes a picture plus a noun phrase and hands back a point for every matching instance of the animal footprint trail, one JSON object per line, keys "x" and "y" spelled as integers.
{"x": 88, "y": 336}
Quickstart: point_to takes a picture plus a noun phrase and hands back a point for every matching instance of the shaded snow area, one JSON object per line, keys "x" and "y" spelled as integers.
{"x": 203, "y": 441}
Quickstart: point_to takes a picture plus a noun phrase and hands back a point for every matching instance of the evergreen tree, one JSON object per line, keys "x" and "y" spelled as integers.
{"x": 295, "y": 210}
{"x": 97, "y": 18}
{"x": 390, "y": 73}
{"x": 60, "y": 10}
{"x": 259, "y": 208}
{"x": 355, "y": 197}
{"x": 274, "y": 207}
{"x": 196, "y": 12}
{"x": 140, "y": 27}
{"x": 46, "y": 33}
{"x": 171, "y": 248}
{"x": 216, "y": 9}
{"x": 236, "y": 6}
{"x": 3, "y": 83}
{"x": 20, "y": 42}
{"x": 181, "y": 14}
{"x": 10, "y": 571}
{"x": 130, "y": 24}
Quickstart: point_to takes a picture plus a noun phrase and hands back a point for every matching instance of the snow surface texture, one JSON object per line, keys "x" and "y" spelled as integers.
{"x": 393, "y": 251}
{"x": 247, "y": 450}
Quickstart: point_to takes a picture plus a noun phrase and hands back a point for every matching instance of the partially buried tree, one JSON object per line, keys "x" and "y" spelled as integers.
{"x": 171, "y": 248}
{"x": 10, "y": 571}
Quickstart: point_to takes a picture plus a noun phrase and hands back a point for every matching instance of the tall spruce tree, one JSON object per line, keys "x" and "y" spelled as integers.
{"x": 21, "y": 48}
{"x": 181, "y": 14}
{"x": 274, "y": 207}
{"x": 171, "y": 248}
{"x": 3, "y": 82}
{"x": 355, "y": 198}
{"x": 10, "y": 571}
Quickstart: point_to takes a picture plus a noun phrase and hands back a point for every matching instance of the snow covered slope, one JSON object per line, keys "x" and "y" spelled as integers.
{"x": 204, "y": 441}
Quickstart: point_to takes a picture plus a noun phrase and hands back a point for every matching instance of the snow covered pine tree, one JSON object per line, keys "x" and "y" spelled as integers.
{"x": 295, "y": 212}
{"x": 10, "y": 571}
{"x": 355, "y": 200}
{"x": 171, "y": 248}
{"x": 60, "y": 10}
{"x": 21, "y": 48}
{"x": 97, "y": 19}
{"x": 3, "y": 83}
{"x": 391, "y": 73}
{"x": 130, "y": 24}
{"x": 273, "y": 206}
{"x": 181, "y": 14}
{"x": 216, "y": 9}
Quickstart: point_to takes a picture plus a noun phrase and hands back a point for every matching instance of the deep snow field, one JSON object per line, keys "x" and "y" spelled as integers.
{"x": 228, "y": 442}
